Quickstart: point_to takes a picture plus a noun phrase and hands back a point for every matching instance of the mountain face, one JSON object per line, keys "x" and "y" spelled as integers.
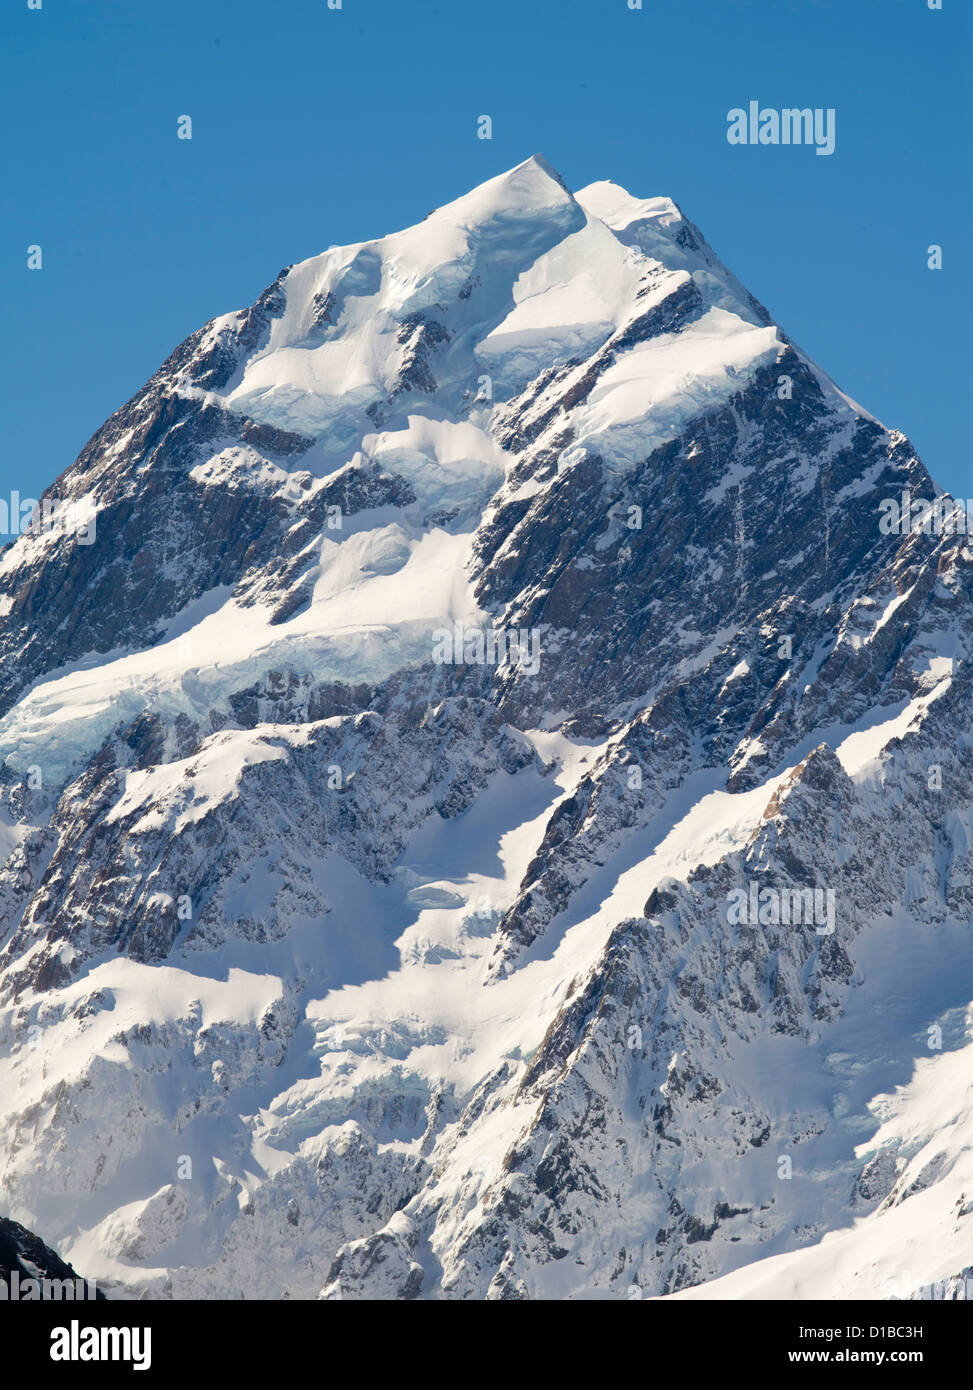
{"x": 487, "y": 814}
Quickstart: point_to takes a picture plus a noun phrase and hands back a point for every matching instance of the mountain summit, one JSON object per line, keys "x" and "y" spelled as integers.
{"x": 484, "y": 811}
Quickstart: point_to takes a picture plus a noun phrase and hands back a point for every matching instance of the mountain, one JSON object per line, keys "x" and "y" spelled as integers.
{"x": 485, "y": 810}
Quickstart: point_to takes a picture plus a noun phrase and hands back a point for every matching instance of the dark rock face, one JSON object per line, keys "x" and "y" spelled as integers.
{"x": 68, "y": 597}
{"x": 625, "y": 595}
{"x": 24, "y": 1254}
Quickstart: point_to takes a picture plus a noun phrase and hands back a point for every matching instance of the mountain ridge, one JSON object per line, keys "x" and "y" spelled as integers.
{"x": 252, "y": 830}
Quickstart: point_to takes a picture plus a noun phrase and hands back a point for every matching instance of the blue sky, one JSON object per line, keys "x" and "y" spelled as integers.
{"x": 314, "y": 126}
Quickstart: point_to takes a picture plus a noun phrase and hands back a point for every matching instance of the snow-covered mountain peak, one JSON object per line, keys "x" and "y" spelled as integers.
{"x": 467, "y": 308}
{"x": 467, "y": 622}
{"x": 532, "y": 187}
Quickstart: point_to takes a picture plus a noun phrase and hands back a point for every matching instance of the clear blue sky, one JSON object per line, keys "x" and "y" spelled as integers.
{"x": 314, "y": 126}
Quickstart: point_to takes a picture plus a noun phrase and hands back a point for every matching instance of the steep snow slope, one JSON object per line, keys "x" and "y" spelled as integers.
{"x": 332, "y": 967}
